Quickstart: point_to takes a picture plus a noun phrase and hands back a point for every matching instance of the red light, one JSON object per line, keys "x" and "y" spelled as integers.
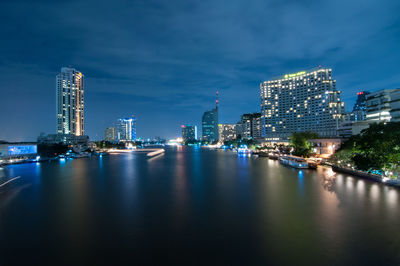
{"x": 182, "y": 126}
{"x": 360, "y": 93}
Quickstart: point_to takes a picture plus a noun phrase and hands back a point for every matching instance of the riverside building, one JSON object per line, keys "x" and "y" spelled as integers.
{"x": 209, "y": 123}
{"x": 360, "y": 107}
{"x": 111, "y": 134}
{"x": 383, "y": 106}
{"x": 70, "y": 102}
{"x": 249, "y": 126}
{"x": 189, "y": 132}
{"x": 126, "y": 128}
{"x": 302, "y": 101}
{"x": 226, "y": 132}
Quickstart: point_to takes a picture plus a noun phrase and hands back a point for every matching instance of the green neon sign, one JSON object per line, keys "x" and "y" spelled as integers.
{"x": 294, "y": 74}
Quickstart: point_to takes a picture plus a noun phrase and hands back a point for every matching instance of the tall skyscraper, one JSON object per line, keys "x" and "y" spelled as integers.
{"x": 303, "y": 101}
{"x": 70, "y": 102}
{"x": 360, "y": 109}
{"x": 126, "y": 129}
{"x": 210, "y": 123}
{"x": 111, "y": 134}
{"x": 189, "y": 132}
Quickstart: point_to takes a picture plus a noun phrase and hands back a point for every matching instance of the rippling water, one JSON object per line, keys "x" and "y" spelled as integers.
{"x": 194, "y": 206}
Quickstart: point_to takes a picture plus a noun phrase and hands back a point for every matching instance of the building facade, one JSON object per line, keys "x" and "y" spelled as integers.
{"x": 111, "y": 134}
{"x": 325, "y": 148}
{"x": 67, "y": 139}
{"x": 302, "y": 101}
{"x": 189, "y": 132}
{"x": 383, "y": 106}
{"x": 209, "y": 125}
{"x": 126, "y": 129}
{"x": 249, "y": 126}
{"x": 226, "y": 132}
{"x": 70, "y": 102}
{"x": 17, "y": 150}
{"x": 360, "y": 107}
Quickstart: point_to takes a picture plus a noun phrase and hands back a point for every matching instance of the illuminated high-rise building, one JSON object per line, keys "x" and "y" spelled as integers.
{"x": 249, "y": 126}
{"x": 360, "y": 107}
{"x": 189, "y": 132}
{"x": 210, "y": 123}
{"x": 70, "y": 102}
{"x": 302, "y": 101}
{"x": 126, "y": 128}
{"x": 227, "y": 132}
{"x": 111, "y": 134}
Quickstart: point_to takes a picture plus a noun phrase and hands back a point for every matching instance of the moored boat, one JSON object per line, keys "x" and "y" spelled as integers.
{"x": 243, "y": 150}
{"x": 293, "y": 161}
{"x": 273, "y": 155}
{"x": 263, "y": 154}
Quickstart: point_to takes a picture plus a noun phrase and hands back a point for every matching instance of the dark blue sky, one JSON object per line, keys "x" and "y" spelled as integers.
{"x": 163, "y": 60}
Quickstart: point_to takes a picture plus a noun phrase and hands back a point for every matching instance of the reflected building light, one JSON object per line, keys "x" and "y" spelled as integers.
{"x": 301, "y": 175}
{"x": 392, "y": 197}
{"x": 349, "y": 183}
{"x": 374, "y": 192}
{"x": 360, "y": 186}
{"x": 330, "y": 173}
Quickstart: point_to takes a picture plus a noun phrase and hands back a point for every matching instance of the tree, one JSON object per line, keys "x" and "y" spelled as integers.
{"x": 375, "y": 148}
{"x": 299, "y": 141}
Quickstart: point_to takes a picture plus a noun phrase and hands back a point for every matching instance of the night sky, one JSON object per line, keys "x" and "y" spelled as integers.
{"x": 163, "y": 60}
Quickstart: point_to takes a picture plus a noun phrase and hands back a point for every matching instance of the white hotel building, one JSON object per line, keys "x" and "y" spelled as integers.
{"x": 302, "y": 101}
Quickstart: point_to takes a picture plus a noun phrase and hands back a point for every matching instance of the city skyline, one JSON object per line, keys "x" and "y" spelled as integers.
{"x": 142, "y": 70}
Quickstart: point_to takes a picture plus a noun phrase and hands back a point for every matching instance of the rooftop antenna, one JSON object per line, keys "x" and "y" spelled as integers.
{"x": 216, "y": 100}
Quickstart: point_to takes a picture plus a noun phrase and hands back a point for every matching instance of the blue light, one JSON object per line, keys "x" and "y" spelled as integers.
{"x": 301, "y": 174}
{"x": 21, "y": 150}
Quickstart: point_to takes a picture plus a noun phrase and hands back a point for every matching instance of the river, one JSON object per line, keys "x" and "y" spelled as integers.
{"x": 193, "y": 206}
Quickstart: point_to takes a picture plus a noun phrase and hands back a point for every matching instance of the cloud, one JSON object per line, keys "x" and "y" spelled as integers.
{"x": 175, "y": 54}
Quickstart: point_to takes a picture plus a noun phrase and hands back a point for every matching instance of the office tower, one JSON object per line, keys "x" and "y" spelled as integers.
{"x": 249, "y": 126}
{"x": 111, "y": 134}
{"x": 383, "y": 106}
{"x": 360, "y": 108}
{"x": 70, "y": 102}
{"x": 303, "y": 101}
{"x": 226, "y": 132}
{"x": 189, "y": 132}
{"x": 126, "y": 128}
{"x": 210, "y": 123}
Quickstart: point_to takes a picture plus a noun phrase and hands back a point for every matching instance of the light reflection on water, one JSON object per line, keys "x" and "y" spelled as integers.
{"x": 191, "y": 200}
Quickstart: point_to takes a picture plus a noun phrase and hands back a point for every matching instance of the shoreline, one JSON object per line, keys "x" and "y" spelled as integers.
{"x": 367, "y": 176}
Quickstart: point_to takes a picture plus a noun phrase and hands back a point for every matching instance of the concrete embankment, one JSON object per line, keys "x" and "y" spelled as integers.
{"x": 365, "y": 175}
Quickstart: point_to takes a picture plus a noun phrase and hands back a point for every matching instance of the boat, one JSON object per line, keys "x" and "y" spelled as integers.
{"x": 243, "y": 150}
{"x": 273, "y": 155}
{"x": 294, "y": 161}
{"x": 263, "y": 154}
{"x": 312, "y": 164}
